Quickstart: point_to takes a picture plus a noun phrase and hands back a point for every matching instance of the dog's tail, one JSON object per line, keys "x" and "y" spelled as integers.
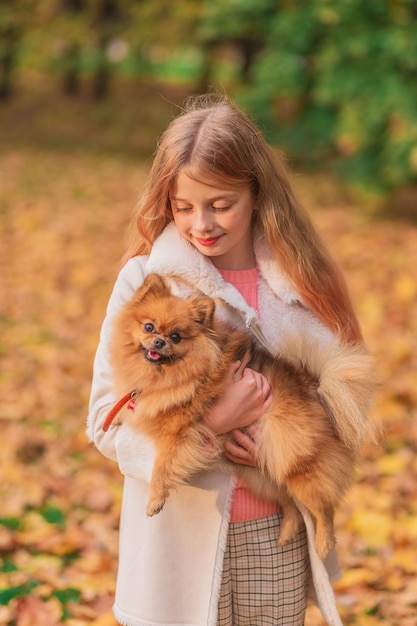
{"x": 347, "y": 378}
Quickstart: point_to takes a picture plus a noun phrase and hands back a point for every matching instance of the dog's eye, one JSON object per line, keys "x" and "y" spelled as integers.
{"x": 149, "y": 328}
{"x": 175, "y": 338}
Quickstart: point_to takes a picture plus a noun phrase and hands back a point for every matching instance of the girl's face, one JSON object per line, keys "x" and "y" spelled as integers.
{"x": 217, "y": 220}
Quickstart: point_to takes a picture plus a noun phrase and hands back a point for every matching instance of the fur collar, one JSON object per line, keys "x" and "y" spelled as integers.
{"x": 283, "y": 318}
{"x": 173, "y": 255}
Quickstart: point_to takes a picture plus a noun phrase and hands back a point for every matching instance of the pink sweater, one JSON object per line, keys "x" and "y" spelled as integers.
{"x": 246, "y": 505}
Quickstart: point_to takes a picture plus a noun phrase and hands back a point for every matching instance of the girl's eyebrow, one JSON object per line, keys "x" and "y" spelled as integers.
{"x": 224, "y": 196}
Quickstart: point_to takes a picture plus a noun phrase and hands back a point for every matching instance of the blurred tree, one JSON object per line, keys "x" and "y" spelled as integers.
{"x": 77, "y": 35}
{"x": 71, "y": 49}
{"x": 14, "y": 18}
{"x": 209, "y": 29}
{"x": 240, "y": 24}
{"x": 74, "y": 38}
{"x": 107, "y": 18}
{"x": 338, "y": 81}
{"x": 59, "y": 41}
{"x": 161, "y": 28}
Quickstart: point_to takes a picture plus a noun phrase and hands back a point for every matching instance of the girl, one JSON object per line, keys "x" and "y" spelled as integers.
{"x": 218, "y": 210}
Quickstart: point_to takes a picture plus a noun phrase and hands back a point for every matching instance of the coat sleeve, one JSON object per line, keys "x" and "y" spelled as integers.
{"x": 133, "y": 452}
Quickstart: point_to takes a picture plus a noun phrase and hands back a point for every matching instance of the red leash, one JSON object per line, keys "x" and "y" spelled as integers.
{"x": 118, "y": 406}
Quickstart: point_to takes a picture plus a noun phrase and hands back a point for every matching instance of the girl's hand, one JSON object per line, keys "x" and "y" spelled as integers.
{"x": 240, "y": 446}
{"x": 242, "y": 404}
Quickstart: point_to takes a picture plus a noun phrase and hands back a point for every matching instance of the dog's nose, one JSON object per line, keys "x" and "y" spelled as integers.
{"x": 159, "y": 343}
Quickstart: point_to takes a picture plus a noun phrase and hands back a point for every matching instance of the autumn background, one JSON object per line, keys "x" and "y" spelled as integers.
{"x": 85, "y": 89}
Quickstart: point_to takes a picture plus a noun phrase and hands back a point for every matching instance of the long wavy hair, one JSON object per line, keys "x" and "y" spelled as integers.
{"x": 213, "y": 140}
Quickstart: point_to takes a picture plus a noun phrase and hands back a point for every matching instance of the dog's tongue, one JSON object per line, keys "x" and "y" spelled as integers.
{"x": 155, "y": 356}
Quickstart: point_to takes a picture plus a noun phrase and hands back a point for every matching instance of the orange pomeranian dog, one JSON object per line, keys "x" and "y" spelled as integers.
{"x": 173, "y": 354}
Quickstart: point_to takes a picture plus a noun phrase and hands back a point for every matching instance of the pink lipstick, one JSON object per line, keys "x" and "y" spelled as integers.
{"x": 211, "y": 241}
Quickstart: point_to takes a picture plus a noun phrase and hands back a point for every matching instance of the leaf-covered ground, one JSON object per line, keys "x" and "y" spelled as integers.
{"x": 64, "y": 211}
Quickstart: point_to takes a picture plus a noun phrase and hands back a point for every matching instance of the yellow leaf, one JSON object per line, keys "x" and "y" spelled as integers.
{"x": 391, "y": 409}
{"x": 405, "y": 289}
{"x": 105, "y": 620}
{"x": 374, "y": 528}
{"x": 391, "y": 464}
{"x": 35, "y": 530}
{"x": 356, "y": 576}
{"x": 32, "y": 611}
{"x": 405, "y": 559}
{"x": 394, "y": 581}
{"x": 367, "y": 620}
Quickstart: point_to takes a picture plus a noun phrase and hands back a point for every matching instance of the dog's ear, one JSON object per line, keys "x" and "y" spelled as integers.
{"x": 155, "y": 286}
{"x": 202, "y": 310}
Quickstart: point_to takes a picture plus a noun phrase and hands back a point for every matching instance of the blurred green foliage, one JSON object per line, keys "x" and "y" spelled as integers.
{"x": 333, "y": 83}
{"x": 337, "y": 82}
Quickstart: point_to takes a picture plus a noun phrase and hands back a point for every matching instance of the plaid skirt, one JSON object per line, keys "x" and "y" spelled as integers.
{"x": 263, "y": 584}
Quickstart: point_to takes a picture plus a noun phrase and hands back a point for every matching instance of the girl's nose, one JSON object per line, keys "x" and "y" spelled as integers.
{"x": 203, "y": 221}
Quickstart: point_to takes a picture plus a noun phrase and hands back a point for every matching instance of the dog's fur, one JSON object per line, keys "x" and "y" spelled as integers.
{"x": 175, "y": 353}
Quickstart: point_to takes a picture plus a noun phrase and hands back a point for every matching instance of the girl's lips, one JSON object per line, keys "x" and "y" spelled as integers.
{"x": 210, "y": 241}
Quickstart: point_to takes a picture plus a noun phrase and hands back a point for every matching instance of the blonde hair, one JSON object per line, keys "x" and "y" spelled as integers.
{"x": 212, "y": 139}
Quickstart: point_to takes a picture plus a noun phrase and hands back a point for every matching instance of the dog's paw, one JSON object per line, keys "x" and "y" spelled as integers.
{"x": 153, "y": 508}
{"x": 286, "y": 536}
{"x": 324, "y": 545}
{"x": 290, "y": 525}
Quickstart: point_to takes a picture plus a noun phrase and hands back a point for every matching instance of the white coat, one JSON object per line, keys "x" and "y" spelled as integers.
{"x": 170, "y": 565}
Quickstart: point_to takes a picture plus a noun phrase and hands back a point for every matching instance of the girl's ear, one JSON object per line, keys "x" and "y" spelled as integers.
{"x": 202, "y": 310}
{"x": 154, "y": 286}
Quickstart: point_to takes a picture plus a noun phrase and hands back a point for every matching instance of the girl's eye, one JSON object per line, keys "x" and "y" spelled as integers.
{"x": 222, "y": 208}
{"x": 149, "y": 328}
{"x": 175, "y": 338}
{"x": 182, "y": 209}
